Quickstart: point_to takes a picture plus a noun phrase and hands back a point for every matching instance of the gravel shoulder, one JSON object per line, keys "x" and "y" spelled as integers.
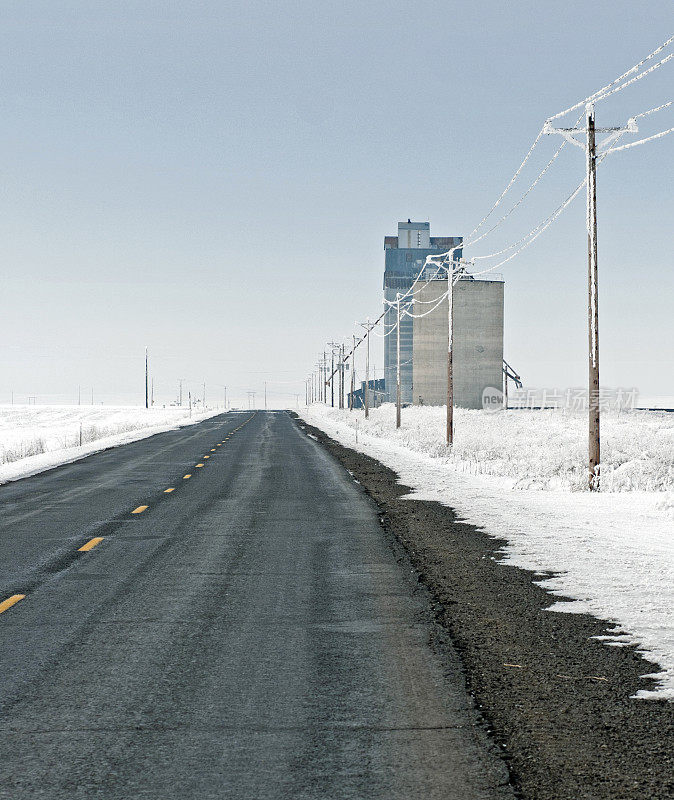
{"x": 557, "y": 702}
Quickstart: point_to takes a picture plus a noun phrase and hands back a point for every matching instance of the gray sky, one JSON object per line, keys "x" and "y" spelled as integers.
{"x": 215, "y": 179}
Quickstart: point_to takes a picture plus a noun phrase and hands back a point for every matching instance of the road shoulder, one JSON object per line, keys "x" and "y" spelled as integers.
{"x": 557, "y": 701}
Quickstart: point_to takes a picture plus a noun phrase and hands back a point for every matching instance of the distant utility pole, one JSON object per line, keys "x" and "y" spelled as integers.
{"x": 225, "y": 398}
{"x": 322, "y": 372}
{"x": 332, "y": 346}
{"x": 265, "y": 395}
{"x": 341, "y": 377}
{"x": 368, "y": 327}
{"x": 189, "y": 395}
{"x": 152, "y": 393}
{"x": 325, "y": 375}
{"x": 180, "y": 391}
{"x": 92, "y": 395}
{"x": 353, "y": 373}
{"x": 590, "y": 148}
{"x": 398, "y": 393}
{"x": 147, "y": 388}
{"x": 79, "y": 395}
{"x": 203, "y": 402}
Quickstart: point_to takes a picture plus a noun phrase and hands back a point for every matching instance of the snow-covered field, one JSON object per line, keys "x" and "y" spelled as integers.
{"x": 35, "y": 438}
{"x": 519, "y": 474}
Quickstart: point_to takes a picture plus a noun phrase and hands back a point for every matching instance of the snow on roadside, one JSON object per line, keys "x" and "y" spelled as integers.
{"x": 36, "y": 438}
{"x": 611, "y": 552}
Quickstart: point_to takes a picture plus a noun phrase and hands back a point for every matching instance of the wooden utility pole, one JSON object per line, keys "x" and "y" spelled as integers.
{"x": 590, "y": 148}
{"x": 367, "y": 372}
{"x": 265, "y": 395}
{"x": 332, "y": 377}
{"x": 398, "y": 397}
{"x": 353, "y": 373}
{"x": 147, "y": 387}
{"x": 341, "y": 392}
{"x": 450, "y": 355}
{"x": 339, "y": 377}
{"x": 324, "y": 375}
{"x": 593, "y": 304}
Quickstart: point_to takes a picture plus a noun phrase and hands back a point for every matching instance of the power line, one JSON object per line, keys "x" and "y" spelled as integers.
{"x": 600, "y": 94}
{"x": 640, "y": 141}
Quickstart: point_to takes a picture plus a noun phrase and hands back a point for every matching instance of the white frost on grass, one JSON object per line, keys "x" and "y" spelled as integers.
{"x": 36, "y": 438}
{"x": 516, "y": 475}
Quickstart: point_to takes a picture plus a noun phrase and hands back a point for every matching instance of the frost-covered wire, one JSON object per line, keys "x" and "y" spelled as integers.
{"x": 653, "y": 110}
{"x": 437, "y": 301}
{"x": 541, "y": 227}
{"x": 640, "y": 141}
{"x": 410, "y": 291}
{"x": 534, "y": 233}
{"x": 503, "y": 194}
{"x": 538, "y": 231}
{"x": 507, "y": 188}
{"x": 603, "y": 92}
{"x": 636, "y": 78}
{"x": 523, "y": 197}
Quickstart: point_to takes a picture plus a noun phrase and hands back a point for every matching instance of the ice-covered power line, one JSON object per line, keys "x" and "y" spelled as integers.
{"x": 653, "y": 110}
{"x": 411, "y": 292}
{"x": 437, "y": 301}
{"x": 523, "y": 197}
{"x": 635, "y": 79}
{"x": 507, "y": 188}
{"x": 536, "y": 231}
{"x": 603, "y": 92}
{"x": 612, "y": 87}
{"x": 640, "y": 141}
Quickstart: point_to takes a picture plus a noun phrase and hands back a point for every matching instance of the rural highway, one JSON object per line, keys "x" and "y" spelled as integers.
{"x": 216, "y": 612}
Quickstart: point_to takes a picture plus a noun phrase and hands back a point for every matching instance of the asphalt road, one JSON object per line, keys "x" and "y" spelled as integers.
{"x": 250, "y": 634}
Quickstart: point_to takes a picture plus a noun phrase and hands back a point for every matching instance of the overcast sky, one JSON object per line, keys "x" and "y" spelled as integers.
{"x": 214, "y": 180}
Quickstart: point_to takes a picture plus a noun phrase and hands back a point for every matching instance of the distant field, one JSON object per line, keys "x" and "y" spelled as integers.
{"x": 33, "y": 438}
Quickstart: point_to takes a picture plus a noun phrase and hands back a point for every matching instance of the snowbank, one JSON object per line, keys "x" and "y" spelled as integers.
{"x": 514, "y": 474}
{"x": 36, "y": 438}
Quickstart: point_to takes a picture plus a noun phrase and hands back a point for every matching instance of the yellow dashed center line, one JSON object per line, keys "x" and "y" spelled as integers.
{"x": 10, "y": 601}
{"x": 205, "y": 456}
{"x": 90, "y": 544}
{"x": 189, "y": 475}
{"x": 168, "y": 491}
{"x": 212, "y": 449}
{"x": 218, "y": 445}
{"x": 139, "y": 510}
{"x": 199, "y": 465}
